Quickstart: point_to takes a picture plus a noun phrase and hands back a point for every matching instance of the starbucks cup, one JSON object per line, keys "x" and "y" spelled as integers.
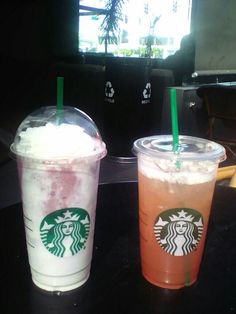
{"x": 58, "y": 157}
{"x": 175, "y": 195}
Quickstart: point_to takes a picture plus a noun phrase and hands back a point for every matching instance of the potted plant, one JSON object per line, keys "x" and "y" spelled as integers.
{"x": 110, "y": 24}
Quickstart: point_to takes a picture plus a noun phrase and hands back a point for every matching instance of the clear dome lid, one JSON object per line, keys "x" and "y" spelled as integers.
{"x": 68, "y": 133}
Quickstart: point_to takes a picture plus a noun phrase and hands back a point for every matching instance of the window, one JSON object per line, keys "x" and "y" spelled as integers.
{"x": 146, "y": 8}
{"x": 91, "y": 16}
{"x": 145, "y": 26}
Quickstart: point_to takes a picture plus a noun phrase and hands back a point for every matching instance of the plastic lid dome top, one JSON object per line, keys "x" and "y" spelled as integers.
{"x": 70, "y": 133}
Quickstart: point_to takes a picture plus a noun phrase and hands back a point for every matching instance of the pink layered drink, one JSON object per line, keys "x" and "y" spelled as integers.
{"x": 58, "y": 169}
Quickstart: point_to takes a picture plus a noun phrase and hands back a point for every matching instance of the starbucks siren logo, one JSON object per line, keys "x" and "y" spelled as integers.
{"x": 65, "y": 232}
{"x": 178, "y": 231}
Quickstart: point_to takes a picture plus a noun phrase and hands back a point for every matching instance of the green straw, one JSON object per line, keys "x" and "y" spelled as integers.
{"x": 60, "y": 81}
{"x": 174, "y": 120}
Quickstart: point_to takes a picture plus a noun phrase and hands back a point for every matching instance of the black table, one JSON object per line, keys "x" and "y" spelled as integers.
{"x": 116, "y": 284}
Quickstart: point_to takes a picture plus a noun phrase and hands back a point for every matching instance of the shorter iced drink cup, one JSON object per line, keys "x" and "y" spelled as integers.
{"x": 58, "y": 158}
{"x": 175, "y": 195}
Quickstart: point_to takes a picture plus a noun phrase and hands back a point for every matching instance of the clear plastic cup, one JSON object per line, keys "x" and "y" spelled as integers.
{"x": 175, "y": 195}
{"x": 58, "y": 156}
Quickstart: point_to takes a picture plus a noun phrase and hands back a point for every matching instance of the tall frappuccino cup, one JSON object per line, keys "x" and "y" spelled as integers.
{"x": 175, "y": 195}
{"x": 58, "y": 160}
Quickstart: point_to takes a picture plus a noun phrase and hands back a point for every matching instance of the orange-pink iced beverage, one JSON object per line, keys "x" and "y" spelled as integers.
{"x": 175, "y": 195}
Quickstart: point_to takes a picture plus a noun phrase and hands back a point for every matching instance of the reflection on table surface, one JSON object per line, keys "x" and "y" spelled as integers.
{"x": 116, "y": 284}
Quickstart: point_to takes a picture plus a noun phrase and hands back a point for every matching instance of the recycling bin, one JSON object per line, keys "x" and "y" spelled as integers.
{"x": 127, "y": 105}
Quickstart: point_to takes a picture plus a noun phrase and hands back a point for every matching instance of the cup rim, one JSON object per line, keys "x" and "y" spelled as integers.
{"x": 153, "y": 146}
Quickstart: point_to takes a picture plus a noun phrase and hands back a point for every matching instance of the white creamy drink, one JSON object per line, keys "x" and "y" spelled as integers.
{"x": 58, "y": 169}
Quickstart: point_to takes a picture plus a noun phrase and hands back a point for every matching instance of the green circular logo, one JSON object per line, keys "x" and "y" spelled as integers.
{"x": 65, "y": 232}
{"x": 179, "y": 230}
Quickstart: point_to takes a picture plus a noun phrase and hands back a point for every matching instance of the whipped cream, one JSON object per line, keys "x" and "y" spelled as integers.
{"x": 184, "y": 172}
{"x": 55, "y": 141}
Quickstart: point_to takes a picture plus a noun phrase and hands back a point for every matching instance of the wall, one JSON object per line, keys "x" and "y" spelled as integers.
{"x": 215, "y": 25}
{"x": 37, "y": 30}
{"x": 34, "y": 34}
